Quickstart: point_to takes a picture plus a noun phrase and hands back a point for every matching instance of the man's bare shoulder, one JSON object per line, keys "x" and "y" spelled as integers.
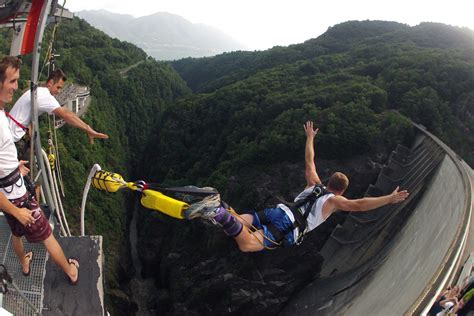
{"x": 329, "y": 205}
{"x": 338, "y": 202}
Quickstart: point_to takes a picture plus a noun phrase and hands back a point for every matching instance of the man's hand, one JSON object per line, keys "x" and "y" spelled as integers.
{"x": 310, "y": 132}
{"x": 73, "y": 120}
{"x": 398, "y": 196}
{"x": 24, "y": 216}
{"x": 93, "y": 134}
{"x": 311, "y": 175}
{"x": 23, "y": 169}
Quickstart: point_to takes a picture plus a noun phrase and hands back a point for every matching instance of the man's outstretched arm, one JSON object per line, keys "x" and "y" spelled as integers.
{"x": 368, "y": 203}
{"x": 75, "y": 121}
{"x": 311, "y": 175}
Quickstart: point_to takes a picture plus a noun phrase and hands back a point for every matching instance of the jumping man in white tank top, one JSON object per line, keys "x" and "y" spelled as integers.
{"x": 282, "y": 217}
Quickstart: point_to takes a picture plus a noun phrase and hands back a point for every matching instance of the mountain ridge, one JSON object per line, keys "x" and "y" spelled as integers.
{"x": 163, "y": 35}
{"x": 234, "y": 66}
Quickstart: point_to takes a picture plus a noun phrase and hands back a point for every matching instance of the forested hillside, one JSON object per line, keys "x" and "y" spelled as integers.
{"x": 208, "y": 74}
{"x": 425, "y": 72}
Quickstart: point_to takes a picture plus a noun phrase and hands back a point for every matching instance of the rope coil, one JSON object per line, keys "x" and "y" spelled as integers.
{"x": 108, "y": 181}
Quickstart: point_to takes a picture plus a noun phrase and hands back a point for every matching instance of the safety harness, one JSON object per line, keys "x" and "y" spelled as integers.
{"x": 10, "y": 179}
{"x": 300, "y": 210}
{"x": 23, "y": 127}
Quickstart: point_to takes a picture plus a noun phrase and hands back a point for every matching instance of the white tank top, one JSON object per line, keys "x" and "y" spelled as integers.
{"x": 315, "y": 217}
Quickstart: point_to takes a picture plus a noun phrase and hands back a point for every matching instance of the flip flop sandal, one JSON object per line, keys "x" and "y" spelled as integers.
{"x": 30, "y": 256}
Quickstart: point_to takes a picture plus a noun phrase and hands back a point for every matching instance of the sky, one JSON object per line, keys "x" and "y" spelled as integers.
{"x": 261, "y": 24}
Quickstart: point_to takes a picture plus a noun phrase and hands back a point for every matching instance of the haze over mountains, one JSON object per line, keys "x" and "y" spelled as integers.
{"x": 162, "y": 35}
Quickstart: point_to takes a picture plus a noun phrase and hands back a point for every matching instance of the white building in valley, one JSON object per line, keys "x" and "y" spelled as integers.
{"x": 76, "y": 98}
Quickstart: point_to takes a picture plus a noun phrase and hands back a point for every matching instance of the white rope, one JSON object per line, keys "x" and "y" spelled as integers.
{"x": 54, "y": 180}
{"x": 43, "y": 198}
{"x": 37, "y": 176}
{"x": 56, "y": 153}
{"x": 53, "y": 192}
{"x": 53, "y": 150}
{"x": 121, "y": 181}
{"x": 94, "y": 169}
{"x": 60, "y": 204}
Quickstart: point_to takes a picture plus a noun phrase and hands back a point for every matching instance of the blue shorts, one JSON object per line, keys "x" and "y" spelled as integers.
{"x": 277, "y": 217}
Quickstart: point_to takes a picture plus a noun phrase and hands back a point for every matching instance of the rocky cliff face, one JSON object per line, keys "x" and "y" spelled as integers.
{"x": 198, "y": 270}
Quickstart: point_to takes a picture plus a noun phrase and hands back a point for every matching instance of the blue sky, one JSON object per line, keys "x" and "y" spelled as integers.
{"x": 261, "y": 24}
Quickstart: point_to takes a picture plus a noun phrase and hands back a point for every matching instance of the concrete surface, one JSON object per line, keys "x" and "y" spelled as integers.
{"x": 419, "y": 250}
{"x": 410, "y": 267}
{"x": 85, "y": 298}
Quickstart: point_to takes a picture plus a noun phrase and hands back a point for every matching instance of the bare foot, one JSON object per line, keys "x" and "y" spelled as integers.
{"x": 73, "y": 275}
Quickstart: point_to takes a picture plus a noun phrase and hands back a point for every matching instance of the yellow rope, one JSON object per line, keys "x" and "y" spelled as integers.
{"x": 51, "y": 151}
